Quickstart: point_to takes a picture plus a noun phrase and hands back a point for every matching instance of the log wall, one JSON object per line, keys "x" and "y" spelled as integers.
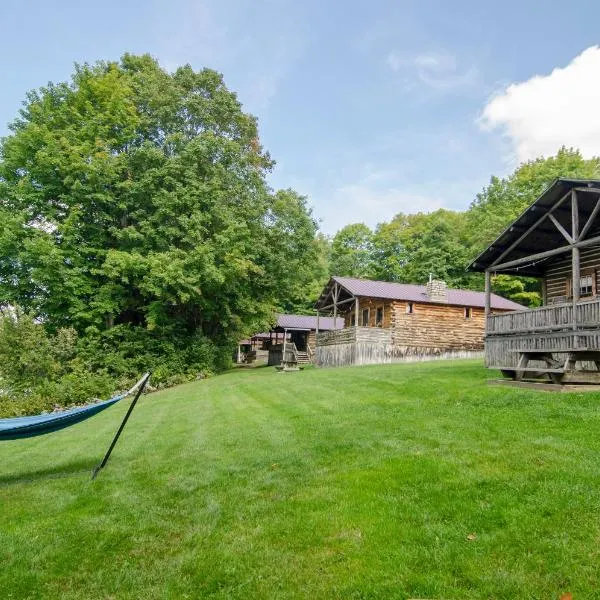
{"x": 371, "y": 304}
{"x": 558, "y": 273}
{"x": 441, "y": 327}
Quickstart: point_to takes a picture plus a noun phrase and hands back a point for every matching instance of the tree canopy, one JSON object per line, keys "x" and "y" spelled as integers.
{"x": 133, "y": 196}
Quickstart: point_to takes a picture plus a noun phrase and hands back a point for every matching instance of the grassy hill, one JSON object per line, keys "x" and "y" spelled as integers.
{"x": 374, "y": 482}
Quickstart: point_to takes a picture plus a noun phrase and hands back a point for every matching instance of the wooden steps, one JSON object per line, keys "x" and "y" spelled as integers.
{"x": 303, "y": 358}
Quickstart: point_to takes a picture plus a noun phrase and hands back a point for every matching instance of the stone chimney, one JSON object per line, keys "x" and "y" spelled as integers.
{"x": 437, "y": 290}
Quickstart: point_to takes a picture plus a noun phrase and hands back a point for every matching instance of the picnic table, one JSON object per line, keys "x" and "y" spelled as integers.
{"x": 555, "y": 368}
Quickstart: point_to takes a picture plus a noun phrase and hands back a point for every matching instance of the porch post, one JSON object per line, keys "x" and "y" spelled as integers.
{"x": 318, "y": 315}
{"x": 488, "y": 295}
{"x": 575, "y": 260}
{"x": 356, "y": 313}
{"x": 284, "y": 343}
{"x": 335, "y": 299}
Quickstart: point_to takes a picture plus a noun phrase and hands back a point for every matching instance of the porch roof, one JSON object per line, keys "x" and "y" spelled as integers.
{"x": 412, "y": 293}
{"x": 532, "y": 233}
{"x": 308, "y": 322}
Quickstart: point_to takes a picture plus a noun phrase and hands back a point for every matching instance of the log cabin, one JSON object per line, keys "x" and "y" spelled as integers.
{"x": 557, "y": 240}
{"x": 395, "y": 322}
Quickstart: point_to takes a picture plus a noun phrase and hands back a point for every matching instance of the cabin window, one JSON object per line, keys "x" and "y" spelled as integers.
{"x": 410, "y": 308}
{"x": 468, "y": 312}
{"x": 379, "y": 317}
{"x": 365, "y": 317}
{"x": 586, "y": 285}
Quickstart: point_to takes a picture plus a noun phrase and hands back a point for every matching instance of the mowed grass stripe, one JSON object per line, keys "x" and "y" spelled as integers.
{"x": 376, "y": 482}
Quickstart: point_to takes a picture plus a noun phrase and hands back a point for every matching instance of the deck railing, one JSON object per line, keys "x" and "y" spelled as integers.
{"x": 546, "y": 318}
{"x": 349, "y": 335}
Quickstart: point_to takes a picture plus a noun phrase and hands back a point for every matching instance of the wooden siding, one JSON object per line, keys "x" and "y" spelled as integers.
{"x": 559, "y": 273}
{"x": 438, "y": 326}
{"x": 372, "y": 304}
{"x": 369, "y": 345}
{"x": 546, "y": 328}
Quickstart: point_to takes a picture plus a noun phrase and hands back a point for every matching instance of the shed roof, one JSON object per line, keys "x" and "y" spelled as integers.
{"x": 545, "y": 236}
{"x": 308, "y": 322}
{"x": 415, "y": 293}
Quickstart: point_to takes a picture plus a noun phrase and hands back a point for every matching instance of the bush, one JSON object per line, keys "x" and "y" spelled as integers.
{"x": 39, "y": 371}
{"x": 126, "y": 352}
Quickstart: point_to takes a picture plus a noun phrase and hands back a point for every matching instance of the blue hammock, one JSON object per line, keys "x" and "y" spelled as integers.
{"x": 24, "y": 427}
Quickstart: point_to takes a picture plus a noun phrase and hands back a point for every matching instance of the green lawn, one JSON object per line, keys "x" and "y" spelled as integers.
{"x": 408, "y": 481}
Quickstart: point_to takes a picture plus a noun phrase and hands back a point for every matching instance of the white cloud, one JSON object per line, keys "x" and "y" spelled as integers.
{"x": 437, "y": 70}
{"x": 548, "y": 111}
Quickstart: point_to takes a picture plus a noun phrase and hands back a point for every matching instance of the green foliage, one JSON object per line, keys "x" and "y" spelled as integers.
{"x": 304, "y": 268}
{"x": 505, "y": 199}
{"x": 411, "y": 247}
{"x": 136, "y": 198}
{"x": 126, "y": 351}
{"x": 39, "y": 371}
{"x": 524, "y": 290}
{"x": 352, "y": 251}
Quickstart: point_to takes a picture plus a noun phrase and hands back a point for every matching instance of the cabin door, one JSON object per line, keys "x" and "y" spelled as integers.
{"x": 300, "y": 338}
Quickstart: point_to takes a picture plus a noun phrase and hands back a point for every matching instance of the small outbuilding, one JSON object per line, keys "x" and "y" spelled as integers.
{"x": 293, "y": 334}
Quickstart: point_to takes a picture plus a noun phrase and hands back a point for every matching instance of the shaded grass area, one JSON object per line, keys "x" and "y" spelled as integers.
{"x": 375, "y": 482}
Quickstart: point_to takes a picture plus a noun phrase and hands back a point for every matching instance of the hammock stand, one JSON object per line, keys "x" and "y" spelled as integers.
{"x": 25, "y": 427}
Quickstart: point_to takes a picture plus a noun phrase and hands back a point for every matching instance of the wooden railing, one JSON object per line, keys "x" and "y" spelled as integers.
{"x": 353, "y": 334}
{"x": 546, "y": 318}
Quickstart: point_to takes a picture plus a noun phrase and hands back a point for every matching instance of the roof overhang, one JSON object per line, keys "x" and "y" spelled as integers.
{"x": 544, "y": 230}
{"x": 333, "y": 293}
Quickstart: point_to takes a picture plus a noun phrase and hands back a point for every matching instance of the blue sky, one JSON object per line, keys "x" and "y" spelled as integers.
{"x": 369, "y": 108}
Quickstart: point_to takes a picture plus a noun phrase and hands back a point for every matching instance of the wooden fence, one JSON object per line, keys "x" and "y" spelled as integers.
{"x": 371, "y": 345}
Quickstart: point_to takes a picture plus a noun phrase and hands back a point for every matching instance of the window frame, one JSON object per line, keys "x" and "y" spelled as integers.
{"x": 379, "y": 321}
{"x": 583, "y": 274}
{"x": 410, "y": 308}
{"x": 362, "y": 317}
{"x": 468, "y": 313}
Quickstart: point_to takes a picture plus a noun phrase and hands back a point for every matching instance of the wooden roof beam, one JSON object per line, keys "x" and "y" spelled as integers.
{"x": 532, "y": 258}
{"x": 528, "y": 231}
{"x": 562, "y": 230}
{"x": 590, "y": 220}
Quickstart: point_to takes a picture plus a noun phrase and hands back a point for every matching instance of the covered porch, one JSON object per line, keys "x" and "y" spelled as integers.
{"x": 556, "y": 240}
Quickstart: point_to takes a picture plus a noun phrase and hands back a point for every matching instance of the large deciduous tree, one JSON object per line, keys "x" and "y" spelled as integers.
{"x": 135, "y": 197}
{"x": 352, "y": 251}
{"x": 410, "y": 248}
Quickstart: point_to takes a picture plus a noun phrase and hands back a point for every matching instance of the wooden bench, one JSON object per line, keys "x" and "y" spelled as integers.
{"x": 555, "y": 369}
